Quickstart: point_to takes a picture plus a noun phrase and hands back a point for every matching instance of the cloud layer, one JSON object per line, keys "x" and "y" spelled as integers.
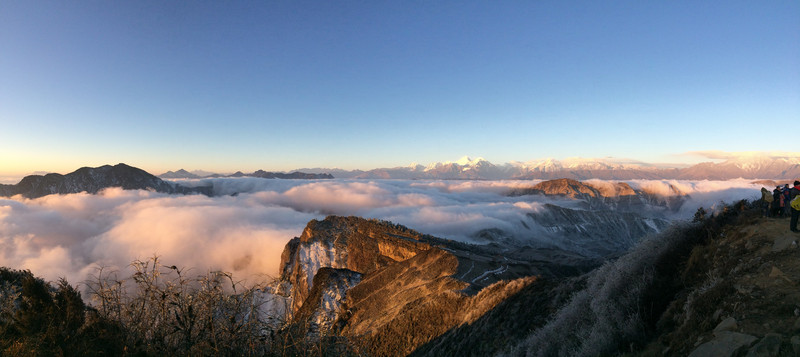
{"x": 70, "y": 235}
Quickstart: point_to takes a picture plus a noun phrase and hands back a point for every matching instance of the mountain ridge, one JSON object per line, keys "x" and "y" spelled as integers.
{"x": 466, "y": 168}
{"x": 183, "y": 174}
{"x": 94, "y": 179}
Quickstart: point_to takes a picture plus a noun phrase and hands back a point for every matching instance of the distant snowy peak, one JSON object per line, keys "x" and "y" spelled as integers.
{"x": 467, "y": 161}
{"x": 760, "y": 162}
{"x": 753, "y": 166}
{"x": 746, "y": 166}
{"x": 576, "y": 163}
{"x": 749, "y": 167}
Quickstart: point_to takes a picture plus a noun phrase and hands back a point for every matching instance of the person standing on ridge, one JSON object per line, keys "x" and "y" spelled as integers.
{"x": 787, "y": 207}
{"x": 766, "y": 200}
{"x": 776, "y": 202}
{"x": 795, "y": 212}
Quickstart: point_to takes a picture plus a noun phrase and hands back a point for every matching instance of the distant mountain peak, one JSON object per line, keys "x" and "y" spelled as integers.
{"x": 94, "y": 179}
{"x": 467, "y": 161}
{"x": 180, "y": 174}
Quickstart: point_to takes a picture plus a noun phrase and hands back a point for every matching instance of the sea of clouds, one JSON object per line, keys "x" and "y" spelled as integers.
{"x": 244, "y": 228}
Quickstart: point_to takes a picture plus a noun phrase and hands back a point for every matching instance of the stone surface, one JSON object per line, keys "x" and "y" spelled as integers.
{"x": 783, "y": 243}
{"x": 795, "y": 341}
{"x": 769, "y": 346}
{"x": 725, "y": 344}
{"x": 778, "y": 274}
{"x": 728, "y": 324}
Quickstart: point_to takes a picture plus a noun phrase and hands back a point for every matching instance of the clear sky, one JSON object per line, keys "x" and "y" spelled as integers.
{"x": 279, "y": 85}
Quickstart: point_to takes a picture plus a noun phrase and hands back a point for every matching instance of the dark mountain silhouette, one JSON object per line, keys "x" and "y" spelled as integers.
{"x": 183, "y": 174}
{"x": 94, "y": 179}
{"x": 180, "y": 174}
{"x": 291, "y": 175}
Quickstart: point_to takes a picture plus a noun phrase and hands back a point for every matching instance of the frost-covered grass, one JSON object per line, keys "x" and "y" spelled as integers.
{"x": 623, "y": 299}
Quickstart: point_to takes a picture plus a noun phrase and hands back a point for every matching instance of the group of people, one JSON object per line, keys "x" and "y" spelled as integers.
{"x": 778, "y": 203}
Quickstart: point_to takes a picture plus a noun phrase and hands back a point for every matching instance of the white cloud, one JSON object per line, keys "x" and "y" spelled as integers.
{"x": 68, "y": 235}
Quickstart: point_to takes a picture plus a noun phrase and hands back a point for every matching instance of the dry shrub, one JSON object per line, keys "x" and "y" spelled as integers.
{"x": 37, "y": 319}
{"x": 166, "y": 312}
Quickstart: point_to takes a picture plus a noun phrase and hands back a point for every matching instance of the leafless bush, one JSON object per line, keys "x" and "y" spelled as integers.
{"x": 164, "y": 310}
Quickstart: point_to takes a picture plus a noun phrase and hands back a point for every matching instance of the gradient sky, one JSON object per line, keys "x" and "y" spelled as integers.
{"x": 279, "y": 85}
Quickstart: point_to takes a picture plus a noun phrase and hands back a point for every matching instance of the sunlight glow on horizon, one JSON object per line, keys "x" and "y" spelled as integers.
{"x": 283, "y": 86}
{"x": 11, "y": 176}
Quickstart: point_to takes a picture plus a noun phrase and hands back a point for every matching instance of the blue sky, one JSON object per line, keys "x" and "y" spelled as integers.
{"x": 279, "y": 85}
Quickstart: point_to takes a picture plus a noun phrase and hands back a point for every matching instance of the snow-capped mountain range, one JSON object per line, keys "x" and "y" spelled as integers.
{"x": 748, "y": 167}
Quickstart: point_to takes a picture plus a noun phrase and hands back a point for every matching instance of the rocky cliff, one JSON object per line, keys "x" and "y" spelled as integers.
{"x": 388, "y": 288}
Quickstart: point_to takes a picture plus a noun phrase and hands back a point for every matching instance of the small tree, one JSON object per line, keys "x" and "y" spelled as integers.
{"x": 700, "y": 215}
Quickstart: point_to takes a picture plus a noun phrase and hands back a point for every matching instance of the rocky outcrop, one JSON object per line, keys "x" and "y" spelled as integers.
{"x": 323, "y": 305}
{"x": 337, "y": 277}
{"x": 618, "y": 196}
{"x": 563, "y": 187}
{"x": 348, "y": 243}
{"x": 94, "y": 179}
{"x": 402, "y": 306}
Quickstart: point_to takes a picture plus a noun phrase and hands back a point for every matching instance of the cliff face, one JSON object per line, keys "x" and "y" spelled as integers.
{"x": 402, "y": 306}
{"x": 375, "y": 282}
{"x": 344, "y": 243}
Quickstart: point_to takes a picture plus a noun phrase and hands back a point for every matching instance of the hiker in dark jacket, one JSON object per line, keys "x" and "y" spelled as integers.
{"x": 787, "y": 199}
{"x": 776, "y": 202}
{"x": 795, "y": 213}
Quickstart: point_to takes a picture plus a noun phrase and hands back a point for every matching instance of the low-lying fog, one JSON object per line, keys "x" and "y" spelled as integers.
{"x": 70, "y": 235}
